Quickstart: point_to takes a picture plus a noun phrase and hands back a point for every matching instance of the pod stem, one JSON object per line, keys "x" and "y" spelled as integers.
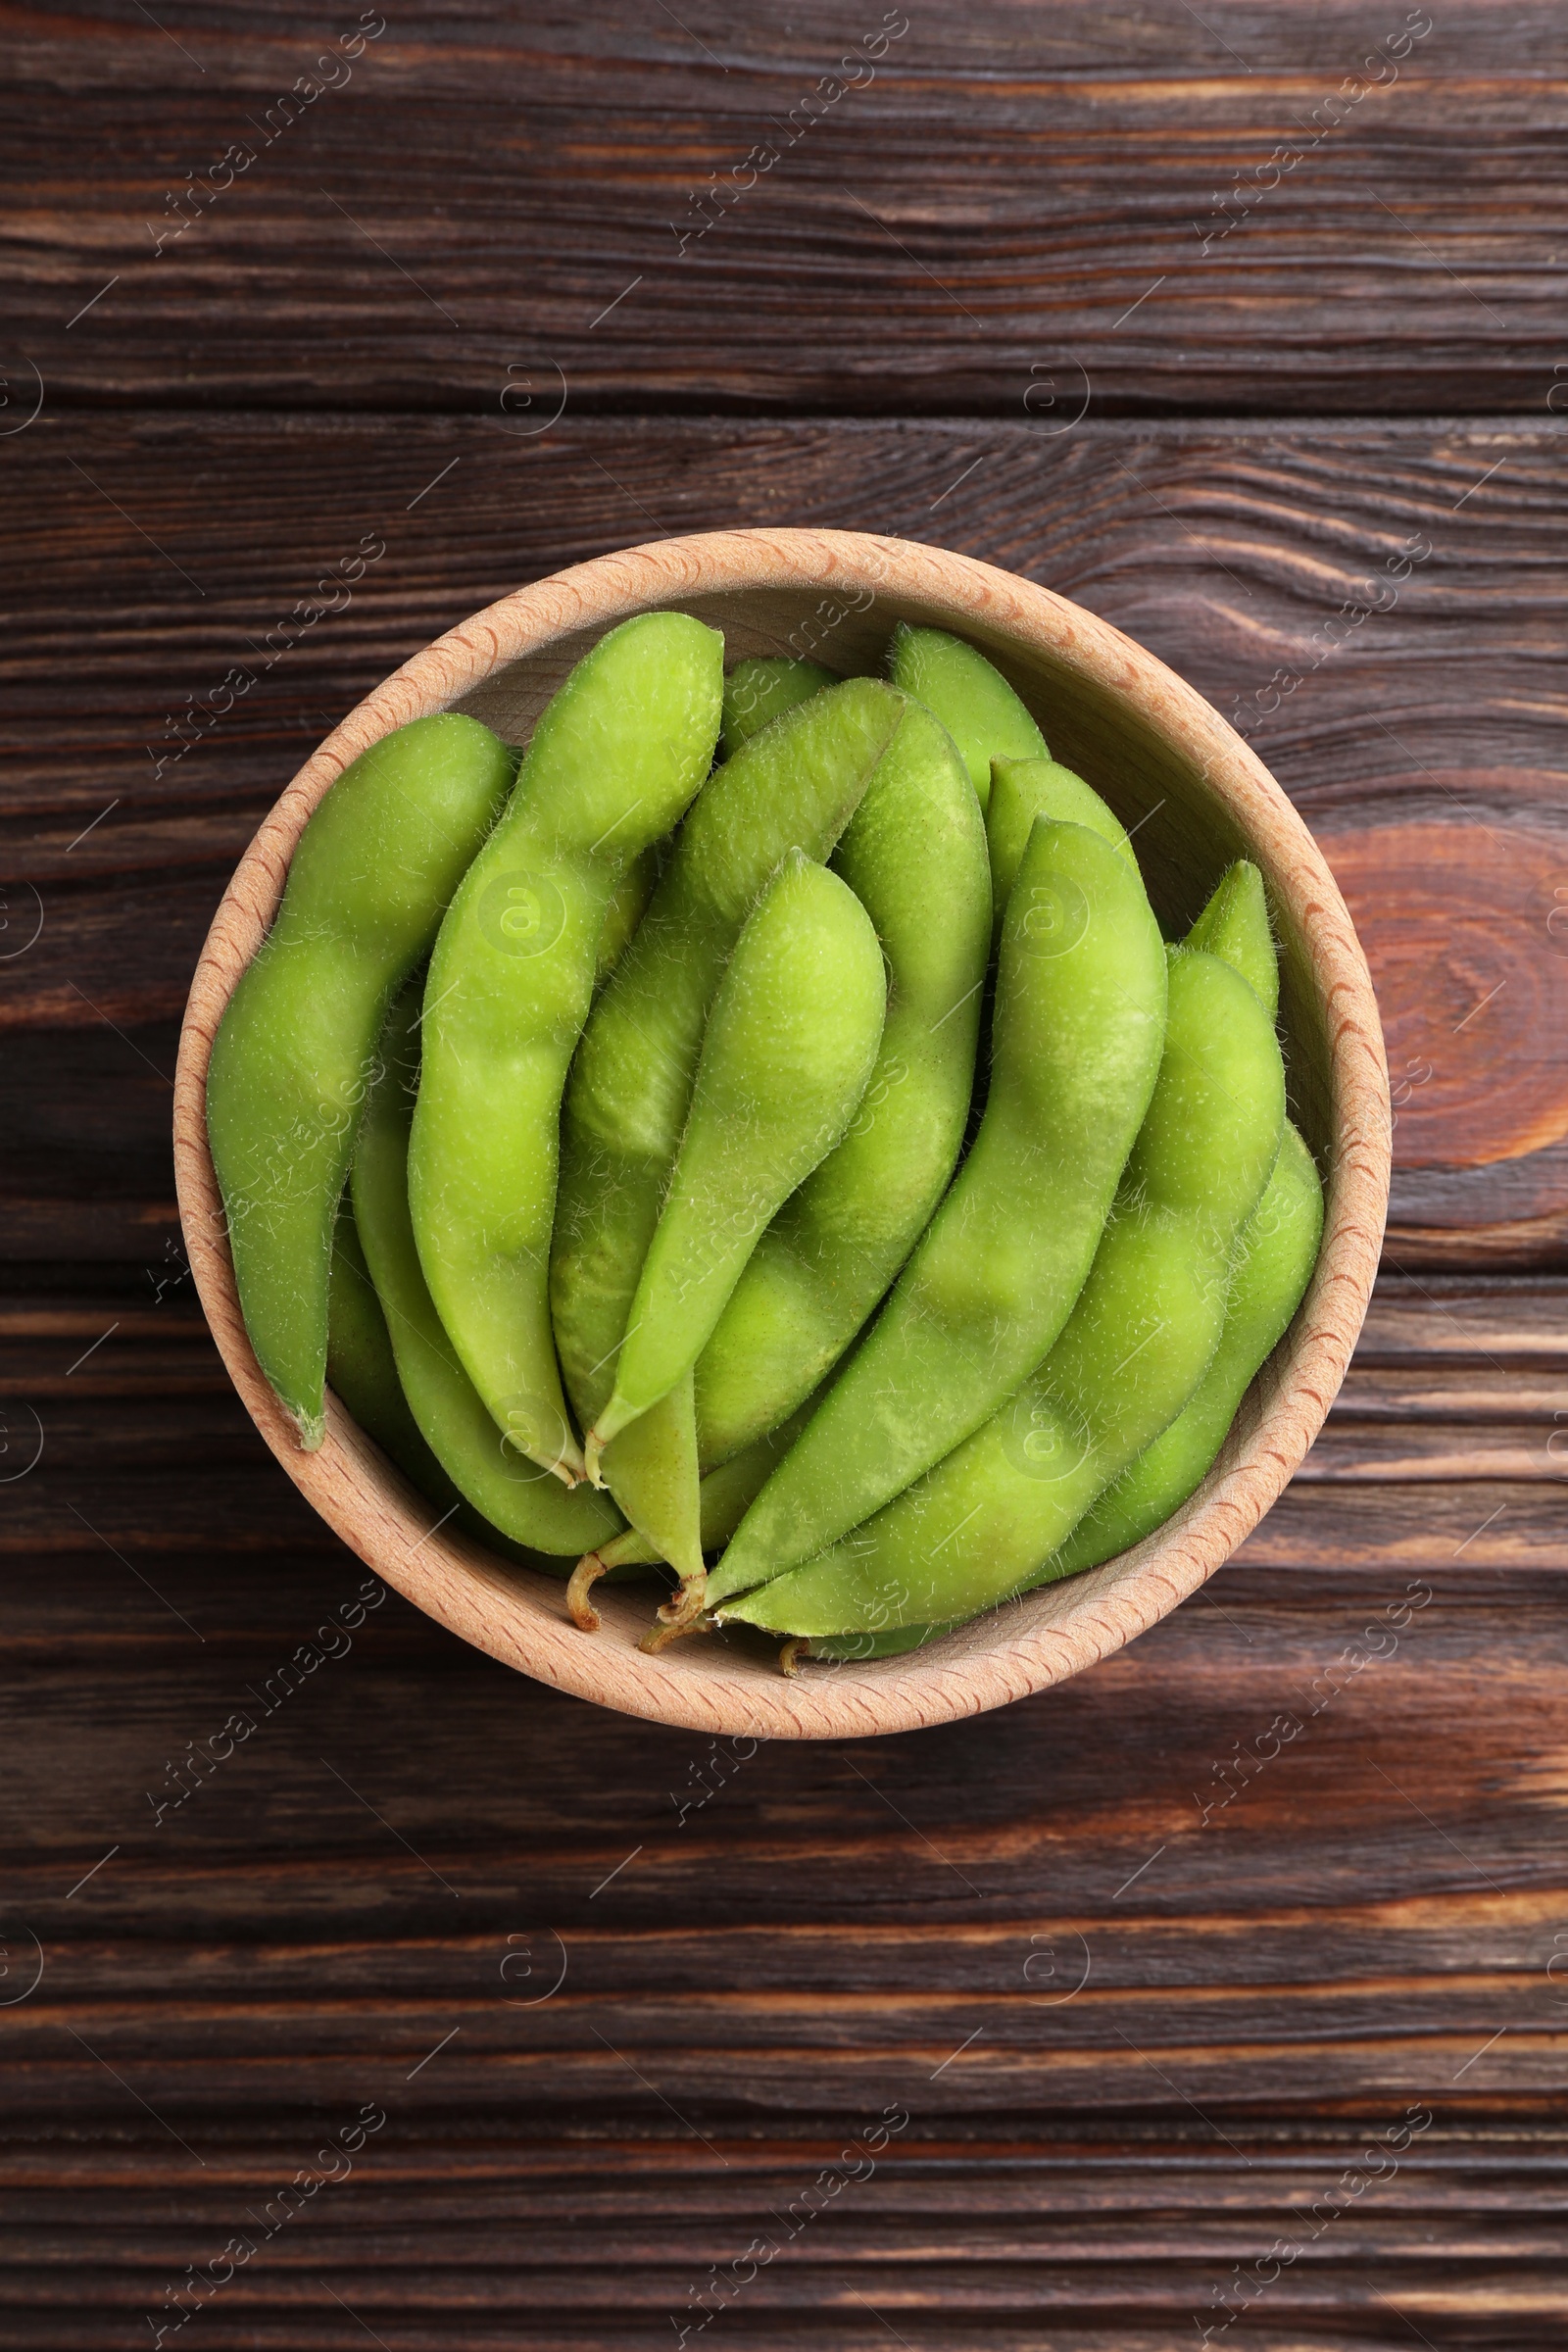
{"x": 683, "y": 1613}
{"x": 631, "y": 1550}
{"x": 589, "y": 1569}
{"x": 616, "y": 1416}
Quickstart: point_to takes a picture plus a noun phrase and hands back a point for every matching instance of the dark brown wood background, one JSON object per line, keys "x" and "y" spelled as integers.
{"x": 1147, "y": 1979}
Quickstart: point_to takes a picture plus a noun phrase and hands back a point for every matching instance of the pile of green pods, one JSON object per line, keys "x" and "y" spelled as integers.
{"x": 811, "y": 1179}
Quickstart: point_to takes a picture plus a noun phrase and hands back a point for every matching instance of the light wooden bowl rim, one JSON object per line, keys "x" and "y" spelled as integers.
{"x": 715, "y": 1686}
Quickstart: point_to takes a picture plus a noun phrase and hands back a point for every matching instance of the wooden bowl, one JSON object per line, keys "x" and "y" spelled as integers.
{"x": 1167, "y": 763}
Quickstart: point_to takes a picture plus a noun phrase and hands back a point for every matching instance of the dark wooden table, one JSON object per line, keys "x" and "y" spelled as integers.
{"x": 1126, "y": 2016}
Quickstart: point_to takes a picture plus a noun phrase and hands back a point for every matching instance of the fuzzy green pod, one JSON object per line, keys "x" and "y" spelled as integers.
{"x": 363, "y": 1371}
{"x": 916, "y": 843}
{"x": 1022, "y": 790}
{"x": 507, "y": 1489}
{"x": 1080, "y": 1023}
{"x": 617, "y": 757}
{"x": 758, "y": 691}
{"x": 987, "y": 1519}
{"x": 790, "y": 1043}
{"x": 628, "y": 904}
{"x": 1269, "y": 1274}
{"x": 1235, "y": 927}
{"x": 650, "y": 1469}
{"x": 795, "y": 785}
{"x": 368, "y": 886}
{"x": 970, "y": 696}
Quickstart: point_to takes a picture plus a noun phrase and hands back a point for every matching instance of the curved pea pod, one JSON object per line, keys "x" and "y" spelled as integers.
{"x": 1235, "y": 927}
{"x": 1269, "y": 1274}
{"x": 972, "y": 697}
{"x": 793, "y": 786}
{"x": 628, "y": 904}
{"x": 1270, "y": 1269}
{"x": 1022, "y": 790}
{"x": 361, "y": 1367}
{"x": 1079, "y": 1022}
{"x": 758, "y": 691}
{"x": 616, "y": 757}
{"x": 915, "y": 844}
{"x": 513, "y": 1493}
{"x": 1135, "y": 1349}
{"x": 368, "y": 886}
{"x": 790, "y": 1043}
{"x": 650, "y": 1469}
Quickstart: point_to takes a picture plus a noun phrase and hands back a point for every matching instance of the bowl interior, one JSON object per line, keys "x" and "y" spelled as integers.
{"x": 1197, "y": 797}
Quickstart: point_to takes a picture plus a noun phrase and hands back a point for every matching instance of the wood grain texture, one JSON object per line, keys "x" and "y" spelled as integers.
{"x": 1015, "y": 210}
{"x": 1153, "y": 209}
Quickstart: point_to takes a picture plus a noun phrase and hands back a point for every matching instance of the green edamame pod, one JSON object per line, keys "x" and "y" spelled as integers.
{"x": 1022, "y": 790}
{"x": 793, "y": 786}
{"x": 1079, "y": 1026}
{"x": 1136, "y": 1346}
{"x": 1235, "y": 925}
{"x": 916, "y": 843}
{"x": 729, "y": 1491}
{"x": 790, "y": 1043}
{"x": 650, "y": 1470}
{"x": 1269, "y": 1274}
{"x": 368, "y": 886}
{"x": 362, "y": 1370}
{"x": 628, "y": 904}
{"x": 761, "y": 690}
{"x": 973, "y": 699}
{"x": 1270, "y": 1268}
{"x": 617, "y": 757}
{"x": 513, "y": 1493}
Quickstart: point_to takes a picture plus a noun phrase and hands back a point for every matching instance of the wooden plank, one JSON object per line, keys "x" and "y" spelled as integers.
{"x": 1283, "y": 210}
{"x": 1445, "y": 1393}
{"x": 1077, "y": 2177}
{"x": 1348, "y": 1811}
{"x": 993, "y": 48}
{"x": 1498, "y": 1322}
{"x": 1090, "y": 2305}
{"x": 1227, "y": 548}
{"x": 300, "y": 1964}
